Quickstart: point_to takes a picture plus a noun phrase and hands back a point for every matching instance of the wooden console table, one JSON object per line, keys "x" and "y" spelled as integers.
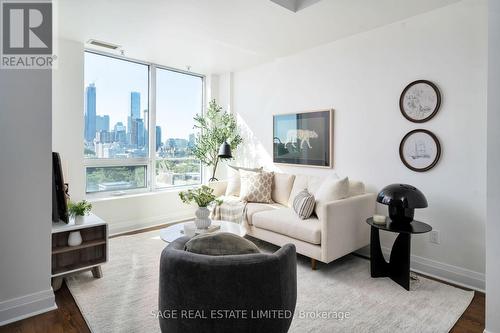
{"x": 90, "y": 255}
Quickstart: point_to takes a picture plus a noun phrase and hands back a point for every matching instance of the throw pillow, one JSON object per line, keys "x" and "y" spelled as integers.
{"x": 256, "y": 186}
{"x": 233, "y": 182}
{"x": 299, "y": 184}
{"x": 220, "y": 244}
{"x": 356, "y": 188}
{"x": 332, "y": 189}
{"x": 303, "y": 204}
{"x": 282, "y": 186}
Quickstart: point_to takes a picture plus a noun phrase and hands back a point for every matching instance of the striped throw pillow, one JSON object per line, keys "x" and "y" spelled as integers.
{"x": 303, "y": 204}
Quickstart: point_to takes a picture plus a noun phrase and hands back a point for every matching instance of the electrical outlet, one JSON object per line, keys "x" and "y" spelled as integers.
{"x": 434, "y": 237}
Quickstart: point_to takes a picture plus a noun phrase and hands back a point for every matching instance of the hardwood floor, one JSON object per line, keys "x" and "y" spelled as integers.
{"x": 472, "y": 320}
{"x": 68, "y": 319}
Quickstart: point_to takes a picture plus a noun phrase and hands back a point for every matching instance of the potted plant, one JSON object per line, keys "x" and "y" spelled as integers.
{"x": 216, "y": 127}
{"x": 78, "y": 210}
{"x": 202, "y": 196}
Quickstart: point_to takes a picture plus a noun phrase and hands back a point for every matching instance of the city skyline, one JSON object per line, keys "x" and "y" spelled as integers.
{"x": 179, "y": 96}
{"x": 135, "y": 135}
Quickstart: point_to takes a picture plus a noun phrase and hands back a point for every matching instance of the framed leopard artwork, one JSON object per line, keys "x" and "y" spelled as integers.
{"x": 304, "y": 138}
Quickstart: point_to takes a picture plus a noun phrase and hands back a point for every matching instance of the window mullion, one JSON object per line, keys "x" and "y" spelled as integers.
{"x": 152, "y": 124}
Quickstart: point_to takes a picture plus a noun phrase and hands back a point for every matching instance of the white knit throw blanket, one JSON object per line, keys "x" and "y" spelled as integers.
{"x": 231, "y": 209}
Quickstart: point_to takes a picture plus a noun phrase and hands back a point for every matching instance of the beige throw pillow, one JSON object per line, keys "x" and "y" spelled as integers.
{"x": 282, "y": 186}
{"x": 332, "y": 189}
{"x": 256, "y": 186}
{"x": 233, "y": 181}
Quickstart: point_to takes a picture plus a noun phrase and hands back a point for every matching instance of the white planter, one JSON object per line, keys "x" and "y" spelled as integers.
{"x": 74, "y": 238}
{"x": 79, "y": 219}
{"x": 202, "y": 220}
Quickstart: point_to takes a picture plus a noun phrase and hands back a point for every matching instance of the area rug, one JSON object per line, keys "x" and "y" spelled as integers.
{"x": 338, "y": 297}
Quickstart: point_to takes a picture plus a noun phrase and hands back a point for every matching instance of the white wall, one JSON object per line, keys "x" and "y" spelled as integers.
{"x": 68, "y": 119}
{"x": 361, "y": 77}
{"x": 493, "y": 210}
{"x": 25, "y": 194}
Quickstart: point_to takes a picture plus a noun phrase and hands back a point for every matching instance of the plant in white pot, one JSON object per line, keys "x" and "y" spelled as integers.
{"x": 78, "y": 210}
{"x": 202, "y": 196}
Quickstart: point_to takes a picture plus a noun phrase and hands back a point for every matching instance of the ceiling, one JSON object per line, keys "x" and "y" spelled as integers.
{"x": 216, "y": 36}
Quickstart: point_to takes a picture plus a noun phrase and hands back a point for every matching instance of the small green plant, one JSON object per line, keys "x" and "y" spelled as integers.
{"x": 81, "y": 208}
{"x": 202, "y": 196}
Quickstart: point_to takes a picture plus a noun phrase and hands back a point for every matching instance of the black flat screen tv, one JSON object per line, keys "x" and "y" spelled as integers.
{"x": 59, "y": 198}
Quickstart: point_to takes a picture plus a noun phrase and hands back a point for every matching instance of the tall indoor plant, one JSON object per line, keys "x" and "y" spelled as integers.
{"x": 216, "y": 127}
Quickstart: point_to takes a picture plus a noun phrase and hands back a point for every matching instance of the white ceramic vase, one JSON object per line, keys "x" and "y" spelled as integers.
{"x": 74, "y": 238}
{"x": 79, "y": 219}
{"x": 202, "y": 220}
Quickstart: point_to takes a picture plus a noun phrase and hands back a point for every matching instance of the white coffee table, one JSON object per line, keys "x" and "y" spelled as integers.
{"x": 171, "y": 233}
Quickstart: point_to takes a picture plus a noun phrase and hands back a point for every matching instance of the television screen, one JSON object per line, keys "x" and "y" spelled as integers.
{"x": 59, "y": 198}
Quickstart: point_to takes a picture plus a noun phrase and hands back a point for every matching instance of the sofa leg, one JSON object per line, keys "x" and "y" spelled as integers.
{"x": 313, "y": 264}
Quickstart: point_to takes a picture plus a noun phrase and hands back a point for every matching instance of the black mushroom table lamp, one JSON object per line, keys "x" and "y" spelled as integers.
{"x": 402, "y": 200}
{"x": 225, "y": 150}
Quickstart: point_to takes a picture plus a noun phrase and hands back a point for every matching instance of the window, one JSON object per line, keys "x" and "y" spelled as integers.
{"x": 118, "y": 118}
{"x": 178, "y": 99}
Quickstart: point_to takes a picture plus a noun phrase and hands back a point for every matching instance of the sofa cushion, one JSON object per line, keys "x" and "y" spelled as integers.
{"x": 314, "y": 182}
{"x": 284, "y": 221}
{"x": 303, "y": 204}
{"x": 356, "y": 188}
{"x": 233, "y": 179}
{"x": 256, "y": 186}
{"x": 254, "y": 207}
{"x": 282, "y": 186}
{"x": 330, "y": 190}
{"x": 299, "y": 184}
{"x": 220, "y": 244}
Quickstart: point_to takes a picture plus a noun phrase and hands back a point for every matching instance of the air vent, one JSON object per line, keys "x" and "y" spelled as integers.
{"x": 105, "y": 45}
{"x": 295, "y": 5}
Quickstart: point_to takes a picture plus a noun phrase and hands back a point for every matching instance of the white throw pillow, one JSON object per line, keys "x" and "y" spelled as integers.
{"x": 299, "y": 184}
{"x": 233, "y": 180}
{"x": 282, "y": 186}
{"x": 332, "y": 189}
{"x": 256, "y": 186}
{"x": 314, "y": 182}
{"x": 356, "y": 188}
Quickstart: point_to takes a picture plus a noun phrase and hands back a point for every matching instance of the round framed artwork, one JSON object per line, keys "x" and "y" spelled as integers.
{"x": 420, "y": 150}
{"x": 420, "y": 101}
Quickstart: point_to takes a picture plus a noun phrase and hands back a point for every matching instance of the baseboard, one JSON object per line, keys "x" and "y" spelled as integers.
{"x": 124, "y": 226}
{"x": 453, "y": 274}
{"x": 26, "y": 306}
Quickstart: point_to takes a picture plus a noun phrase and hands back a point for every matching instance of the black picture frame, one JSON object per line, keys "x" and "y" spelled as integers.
{"x": 429, "y": 165}
{"x": 304, "y": 138}
{"x": 430, "y": 113}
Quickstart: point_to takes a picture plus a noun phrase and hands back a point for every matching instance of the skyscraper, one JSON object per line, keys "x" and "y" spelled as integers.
{"x": 135, "y": 105}
{"x": 140, "y": 133}
{"x": 90, "y": 113}
{"x": 192, "y": 140}
{"x": 120, "y": 133}
{"x": 158, "y": 137}
{"x": 102, "y": 123}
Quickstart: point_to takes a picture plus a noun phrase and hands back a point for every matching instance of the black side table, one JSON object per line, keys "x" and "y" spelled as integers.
{"x": 398, "y": 267}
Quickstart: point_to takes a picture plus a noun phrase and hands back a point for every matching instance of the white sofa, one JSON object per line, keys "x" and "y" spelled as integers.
{"x": 341, "y": 230}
